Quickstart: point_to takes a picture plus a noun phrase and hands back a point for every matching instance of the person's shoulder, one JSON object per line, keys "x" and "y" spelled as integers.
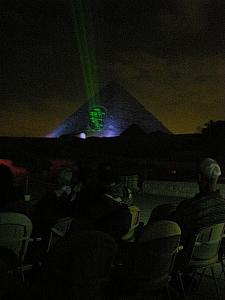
{"x": 215, "y": 196}
{"x": 185, "y": 206}
{"x": 184, "y": 203}
{"x": 218, "y": 196}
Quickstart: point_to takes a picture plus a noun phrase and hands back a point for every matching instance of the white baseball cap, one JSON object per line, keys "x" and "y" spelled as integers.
{"x": 210, "y": 168}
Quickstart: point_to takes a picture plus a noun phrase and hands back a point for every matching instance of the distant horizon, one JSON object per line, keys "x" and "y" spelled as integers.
{"x": 47, "y": 137}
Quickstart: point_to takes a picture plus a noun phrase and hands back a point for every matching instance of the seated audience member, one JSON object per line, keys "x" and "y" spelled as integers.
{"x": 60, "y": 202}
{"x": 95, "y": 209}
{"x": 77, "y": 267}
{"x": 70, "y": 184}
{"x": 39, "y": 182}
{"x": 115, "y": 201}
{"x": 112, "y": 187}
{"x": 116, "y": 222}
{"x": 207, "y": 207}
{"x": 12, "y": 198}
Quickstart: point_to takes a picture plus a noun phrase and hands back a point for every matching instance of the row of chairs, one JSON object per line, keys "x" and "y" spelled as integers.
{"x": 15, "y": 236}
{"x": 152, "y": 258}
{"x": 62, "y": 226}
{"x": 157, "y": 261}
{"x": 16, "y": 230}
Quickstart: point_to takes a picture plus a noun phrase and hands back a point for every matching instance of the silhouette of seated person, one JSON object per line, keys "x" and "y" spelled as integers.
{"x": 205, "y": 208}
{"x": 39, "y": 181}
{"x": 77, "y": 267}
{"x": 100, "y": 210}
{"x": 59, "y": 203}
{"x": 112, "y": 186}
{"x": 11, "y": 197}
{"x": 115, "y": 198}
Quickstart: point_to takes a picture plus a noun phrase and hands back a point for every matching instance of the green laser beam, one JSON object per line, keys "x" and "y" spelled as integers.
{"x": 86, "y": 47}
{"x": 85, "y": 41}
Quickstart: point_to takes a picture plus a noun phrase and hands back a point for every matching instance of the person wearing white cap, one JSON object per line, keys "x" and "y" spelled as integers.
{"x": 209, "y": 173}
{"x": 207, "y": 207}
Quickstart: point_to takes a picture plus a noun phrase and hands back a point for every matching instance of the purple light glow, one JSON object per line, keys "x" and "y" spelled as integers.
{"x": 109, "y": 133}
{"x": 56, "y": 133}
{"x": 82, "y": 135}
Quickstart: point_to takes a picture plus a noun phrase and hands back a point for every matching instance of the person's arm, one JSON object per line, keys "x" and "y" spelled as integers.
{"x": 111, "y": 204}
{"x": 178, "y": 214}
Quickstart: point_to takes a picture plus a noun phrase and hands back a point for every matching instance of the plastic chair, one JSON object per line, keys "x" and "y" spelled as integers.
{"x": 15, "y": 232}
{"x": 135, "y": 212}
{"x": 149, "y": 265}
{"x": 60, "y": 228}
{"x": 222, "y": 256}
{"x": 201, "y": 253}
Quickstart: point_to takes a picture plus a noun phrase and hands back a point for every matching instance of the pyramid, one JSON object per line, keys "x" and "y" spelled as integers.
{"x": 121, "y": 110}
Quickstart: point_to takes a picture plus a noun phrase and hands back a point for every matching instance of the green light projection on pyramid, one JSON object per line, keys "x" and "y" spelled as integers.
{"x": 85, "y": 41}
{"x": 96, "y": 117}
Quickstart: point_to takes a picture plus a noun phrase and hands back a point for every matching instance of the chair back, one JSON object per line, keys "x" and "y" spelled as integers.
{"x": 135, "y": 218}
{"x": 205, "y": 245}
{"x": 60, "y": 228}
{"x": 154, "y": 254}
{"x": 159, "y": 229}
{"x": 15, "y": 232}
{"x": 63, "y": 225}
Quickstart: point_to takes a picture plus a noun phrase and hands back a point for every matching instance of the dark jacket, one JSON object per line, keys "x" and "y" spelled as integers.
{"x": 103, "y": 213}
{"x": 201, "y": 211}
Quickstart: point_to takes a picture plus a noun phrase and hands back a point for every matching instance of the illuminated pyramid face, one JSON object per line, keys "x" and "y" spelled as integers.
{"x": 115, "y": 112}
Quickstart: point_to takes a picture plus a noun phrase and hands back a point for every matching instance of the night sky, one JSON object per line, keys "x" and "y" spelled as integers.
{"x": 169, "y": 54}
